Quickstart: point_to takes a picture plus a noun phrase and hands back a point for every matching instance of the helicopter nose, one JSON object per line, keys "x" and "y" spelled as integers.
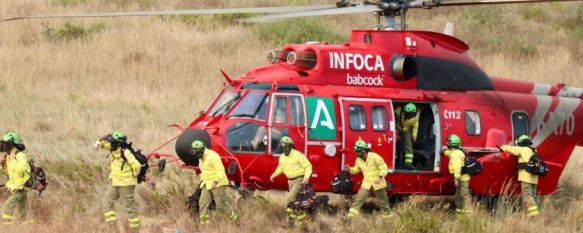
{"x": 184, "y": 142}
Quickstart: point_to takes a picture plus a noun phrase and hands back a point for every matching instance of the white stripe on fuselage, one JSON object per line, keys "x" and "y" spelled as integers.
{"x": 572, "y": 92}
{"x": 541, "y": 89}
{"x": 566, "y": 106}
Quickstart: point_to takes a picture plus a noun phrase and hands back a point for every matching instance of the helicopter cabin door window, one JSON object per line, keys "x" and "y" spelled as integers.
{"x": 380, "y": 120}
{"x": 472, "y": 122}
{"x": 357, "y": 117}
{"x": 520, "y": 124}
{"x": 287, "y": 119}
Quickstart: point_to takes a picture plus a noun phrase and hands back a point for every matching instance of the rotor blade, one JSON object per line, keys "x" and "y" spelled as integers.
{"x": 183, "y": 12}
{"x": 336, "y": 11}
{"x": 438, "y": 3}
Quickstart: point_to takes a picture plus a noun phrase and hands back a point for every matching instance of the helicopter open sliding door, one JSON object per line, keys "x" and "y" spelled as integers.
{"x": 370, "y": 120}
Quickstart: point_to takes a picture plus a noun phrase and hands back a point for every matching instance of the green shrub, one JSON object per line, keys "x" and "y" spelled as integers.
{"x": 296, "y": 31}
{"x": 70, "y": 31}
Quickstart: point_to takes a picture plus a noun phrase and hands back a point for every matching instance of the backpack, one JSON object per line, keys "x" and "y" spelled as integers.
{"x": 140, "y": 157}
{"x": 193, "y": 201}
{"x": 342, "y": 183}
{"x": 37, "y": 179}
{"x": 535, "y": 165}
{"x": 307, "y": 199}
{"x": 471, "y": 166}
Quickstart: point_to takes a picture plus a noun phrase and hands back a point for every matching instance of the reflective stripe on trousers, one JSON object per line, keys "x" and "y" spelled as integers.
{"x": 134, "y": 222}
{"x": 110, "y": 216}
{"x": 352, "y": 212}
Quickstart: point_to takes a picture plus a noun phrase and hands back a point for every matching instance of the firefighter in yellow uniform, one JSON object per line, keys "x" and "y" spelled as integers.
{"x": 462, "y": 181}
{"x": 15, "y": 164}
{"x": 296, "y": 167}
{"x": 124, "y": 171}
{"x": 528, "y": 181}
{"x": 407, "y": 126}
{"x": 213, "y": 181}
{"x": 374, "y": 169}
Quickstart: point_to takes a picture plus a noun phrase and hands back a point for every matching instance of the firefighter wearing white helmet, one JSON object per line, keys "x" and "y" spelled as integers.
{"x": 528, "y": 181}
{"x": 462, "y": 181}
{"x": 15, "y": 164}
{"x": 296, "y": 167}
{"x": 213, "y": 182}
{"x": 374, "y": 169}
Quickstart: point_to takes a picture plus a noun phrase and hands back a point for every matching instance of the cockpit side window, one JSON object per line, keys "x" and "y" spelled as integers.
{"x": 254, "y": 105}
{"x": 296, "y": 110}
{"x": 225, "y": 102}
{"x": 280, "y": 111}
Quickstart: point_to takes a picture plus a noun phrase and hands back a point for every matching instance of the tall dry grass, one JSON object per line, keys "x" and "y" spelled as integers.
{"x": 140, "y": 74}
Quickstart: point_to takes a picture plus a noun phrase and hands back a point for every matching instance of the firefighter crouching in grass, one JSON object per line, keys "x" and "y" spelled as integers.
{"x": 528, "y": 181}
{"x": 462, "y": 181}
{"x": 374, "y": 169}
{"x": 296, "y": 167}
{"x": 213, "y": 180}
{"x": 15, "y": 164}
{"x": 124, "y": 171}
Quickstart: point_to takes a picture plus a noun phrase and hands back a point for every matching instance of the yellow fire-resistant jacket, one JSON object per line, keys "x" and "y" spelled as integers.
{"x": 523, "y": 153}
{"x": 211, "y": 170}
{"x": 18, "y": 171}
{"x": 456, "y": 162}
{"x": 124, "y": 173}
{"x": 293, "y": 165}
{"x": 407, "y": 125}
{"x": 373, "y": 167}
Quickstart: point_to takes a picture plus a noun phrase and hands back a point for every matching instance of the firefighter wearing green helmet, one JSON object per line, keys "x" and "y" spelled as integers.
{"x": 407, "y": 126}
{"x": 374, "y": 169}
{"x": 123, "y": 175}
{"x": 528, "y": 182}
{"x": 15, "y": 163}
{"x": 462, "y": 181}
{"x": 296, "y": 167}
{"x": 213, "y": 183}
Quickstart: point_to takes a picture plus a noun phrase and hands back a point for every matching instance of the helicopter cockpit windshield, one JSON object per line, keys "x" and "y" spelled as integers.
{"x": 224, "y": 104}
{"x": 253, "y": 105}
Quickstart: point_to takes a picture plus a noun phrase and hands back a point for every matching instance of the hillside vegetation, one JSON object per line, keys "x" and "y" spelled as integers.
{"x": 65, "y": 83}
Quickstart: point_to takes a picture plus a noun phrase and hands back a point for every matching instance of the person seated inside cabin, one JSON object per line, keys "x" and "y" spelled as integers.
{"x": 407, "y": 123}
{"x": 260, "y": 138}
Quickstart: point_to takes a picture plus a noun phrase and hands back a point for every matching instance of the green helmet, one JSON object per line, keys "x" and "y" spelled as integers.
{"x": 410, "y": 107}
{"x": 118, "y": 136}
{"x": 197, "y": 144}
{"x": 286, "y": 140}
{"x": 360, "y": 145}
{"x": 524, "y": 140}
{"x": 11, "y": 136}
{"x": 454, "y": 141}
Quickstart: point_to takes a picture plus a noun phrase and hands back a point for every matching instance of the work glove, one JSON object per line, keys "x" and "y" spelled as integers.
{"x": 96, "y": 144}
{"x": 214, "y": 185}
{"x": 346, "y": 168}
{"x": 377, "y": 180}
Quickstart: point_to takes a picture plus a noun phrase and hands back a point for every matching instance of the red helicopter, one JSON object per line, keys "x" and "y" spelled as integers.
{"x": 327, "y": 96}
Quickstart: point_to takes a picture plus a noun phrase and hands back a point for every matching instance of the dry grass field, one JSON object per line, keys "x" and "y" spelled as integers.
{"x": 65, "y": 83}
